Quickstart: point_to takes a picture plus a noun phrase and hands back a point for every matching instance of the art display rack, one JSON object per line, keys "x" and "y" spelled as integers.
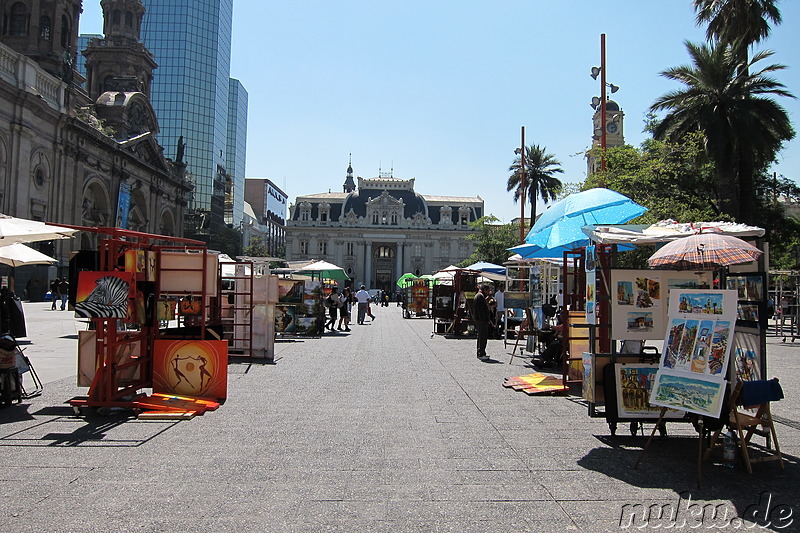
{"x": 236, "y": 305}
{"x": 457, "y": 321}
{"x": 119, "y": 384}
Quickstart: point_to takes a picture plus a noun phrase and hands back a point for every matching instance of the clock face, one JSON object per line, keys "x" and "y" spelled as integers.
{"x": 612, "y": 127}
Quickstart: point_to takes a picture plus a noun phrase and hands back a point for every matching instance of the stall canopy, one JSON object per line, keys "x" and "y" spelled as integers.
{"x": 13, "y": 229}
{"x": 483, "y": 266}
{"x": 559, "y": 229}
{"x": 664, "y": 231}
{"x": 324, "y": 270}
{"x": 406, "y": 279}
{"x": 18, "y": 254}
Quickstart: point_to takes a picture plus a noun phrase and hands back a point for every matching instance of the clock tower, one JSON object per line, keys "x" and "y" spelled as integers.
{"x": 614, "y": 132}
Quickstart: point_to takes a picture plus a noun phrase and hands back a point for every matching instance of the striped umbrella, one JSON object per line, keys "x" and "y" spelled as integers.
{"x": 704, "y": 251}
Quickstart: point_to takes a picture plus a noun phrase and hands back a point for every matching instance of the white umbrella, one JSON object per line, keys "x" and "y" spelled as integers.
{"x": 13, "y": 229}
{"x": 18, "y": 254}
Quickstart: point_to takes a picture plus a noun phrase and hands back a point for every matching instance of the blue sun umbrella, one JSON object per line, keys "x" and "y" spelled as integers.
{"x": 559, "y": 228}
{"x": 484, "y": 266}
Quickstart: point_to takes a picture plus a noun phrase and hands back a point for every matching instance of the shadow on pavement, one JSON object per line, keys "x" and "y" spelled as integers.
{"x": 670, "y": 463}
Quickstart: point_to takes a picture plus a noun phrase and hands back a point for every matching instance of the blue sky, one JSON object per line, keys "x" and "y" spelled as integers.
{"x": 437, "y": 90}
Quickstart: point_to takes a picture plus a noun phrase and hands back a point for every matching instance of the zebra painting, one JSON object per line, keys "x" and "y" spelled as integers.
{"x": 108, "y": 299}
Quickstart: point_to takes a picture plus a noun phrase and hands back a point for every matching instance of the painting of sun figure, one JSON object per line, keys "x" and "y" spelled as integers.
{"x": 191, "y": 368}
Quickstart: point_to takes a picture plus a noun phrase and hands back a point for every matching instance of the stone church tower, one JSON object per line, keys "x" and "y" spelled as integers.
{"x": 119, "y": 62}
{"x": 46, "y": 32}
{"x": 86, "y": 157}
{"x": 615, "y": 119}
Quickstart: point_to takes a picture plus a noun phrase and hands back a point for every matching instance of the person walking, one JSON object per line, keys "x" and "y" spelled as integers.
{"x": 63, "y": 288}
{"x": 362, "y": 299}
{"x": 54, "y": 294}
{"x": 345, "y": 306}
{"x": 332, "y": 303}
{"x": 480, "y": 311}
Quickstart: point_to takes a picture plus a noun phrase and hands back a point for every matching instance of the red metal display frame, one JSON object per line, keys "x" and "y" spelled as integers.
{"x": 106, "y": 389}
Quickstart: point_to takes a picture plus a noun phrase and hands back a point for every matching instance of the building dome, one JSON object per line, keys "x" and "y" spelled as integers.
{"x": 611, "y": 105}
{"x": 357, "y": 201}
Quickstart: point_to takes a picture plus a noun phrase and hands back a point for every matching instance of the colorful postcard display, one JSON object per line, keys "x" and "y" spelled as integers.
{"x": 191, "y": 368}
{"x": 639, "y": 301}
{"x": 694, "y": 361}
{"x": 634, "y": 381}
{"x": 103, "y": 294}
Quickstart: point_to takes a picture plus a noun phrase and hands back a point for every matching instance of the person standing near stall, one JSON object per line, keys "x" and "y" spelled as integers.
{"x": 480, "y": 311}
{"x": 362, "y": 298}
{"x": 63, "y": 288}
{"x": 332, "y": 303}
{"x": 54, "y": 294}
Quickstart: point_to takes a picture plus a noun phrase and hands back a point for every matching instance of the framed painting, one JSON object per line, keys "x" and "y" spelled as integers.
{"x": 748, "y": 360}
{"x": 634, "y": 382}
{"x": 102, "y": 294}
{"x": 191, "y": 368}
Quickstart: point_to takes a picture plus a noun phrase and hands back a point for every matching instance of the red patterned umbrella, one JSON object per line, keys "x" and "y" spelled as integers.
{"x": 703, "y": 251}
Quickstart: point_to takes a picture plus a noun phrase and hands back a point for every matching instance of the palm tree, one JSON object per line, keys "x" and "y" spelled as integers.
{"x": 740, "y": 24}
{"x": 737, "y": 21}
{"x": 539, "y": 179}
{"x": 727, "y": 105}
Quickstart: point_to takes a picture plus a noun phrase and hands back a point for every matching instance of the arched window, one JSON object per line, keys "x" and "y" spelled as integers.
{"x": 116, "y": 17}
{"x": 128, "y": 19}
{"x": 44, "y": 28}
{"x": 18, "y": 21}
{"x": 383, "y": 252}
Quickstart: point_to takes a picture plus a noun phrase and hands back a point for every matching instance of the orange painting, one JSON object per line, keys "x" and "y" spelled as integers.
{"x": 102, "y": 294}
{"x": 191, "y": 368}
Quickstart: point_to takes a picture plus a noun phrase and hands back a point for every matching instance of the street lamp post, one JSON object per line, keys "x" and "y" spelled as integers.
{"x": 522, "y": 187}
{"x": 601, "y": 71}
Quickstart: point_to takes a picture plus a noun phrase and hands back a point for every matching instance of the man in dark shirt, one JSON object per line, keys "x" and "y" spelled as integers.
{"x": 480, "y": 311}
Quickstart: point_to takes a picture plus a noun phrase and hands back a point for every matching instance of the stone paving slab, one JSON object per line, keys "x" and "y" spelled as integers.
{"x": 386, "y": 428}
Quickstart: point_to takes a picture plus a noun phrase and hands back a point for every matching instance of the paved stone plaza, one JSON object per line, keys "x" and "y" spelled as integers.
{"x": 386, "y": 428}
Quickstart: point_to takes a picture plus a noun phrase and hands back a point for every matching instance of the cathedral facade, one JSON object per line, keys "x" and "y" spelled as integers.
{"x": 82, "y": 156}
{"x": 377, "y": 229}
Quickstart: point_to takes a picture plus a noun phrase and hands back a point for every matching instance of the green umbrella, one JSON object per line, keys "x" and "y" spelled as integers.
{"x": 405, "y": 280}
{"x": 324, "y": 270}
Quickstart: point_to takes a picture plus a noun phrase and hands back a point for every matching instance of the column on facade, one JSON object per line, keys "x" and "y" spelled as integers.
{"x": 368, "y": 264}
{"x": 399, "y": 260}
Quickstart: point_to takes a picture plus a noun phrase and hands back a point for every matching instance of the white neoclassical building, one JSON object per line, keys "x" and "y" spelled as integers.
{"x": 380, "y": 228}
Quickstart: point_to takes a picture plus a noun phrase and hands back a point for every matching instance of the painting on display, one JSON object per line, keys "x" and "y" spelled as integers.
{"x": 591, "y": 298}
{"x": 639, "y": 301}
{"x": 102, "y": 294}
{"x": 166, "y": 310}
{"x": 696, "y": 351}
{"x": 306, "y": 325}
{"x": 135, "y": 261}
{"x": 749, "y": 287}
{"x": 587, "y": 388}
{"x": 285, "y": 319}
{"x": 634, "y": 381}
{"x": 746, "y": 354}
{"x": 191, "y": 368}
{"x": 290, "y": 291}
{"x": 419, "y": 297}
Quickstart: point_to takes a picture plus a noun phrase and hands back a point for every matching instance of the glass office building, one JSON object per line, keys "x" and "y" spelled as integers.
{"x": 83, "y": 42}
{"x": 237, "y": 145}
{"x": 191, "y": 42}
